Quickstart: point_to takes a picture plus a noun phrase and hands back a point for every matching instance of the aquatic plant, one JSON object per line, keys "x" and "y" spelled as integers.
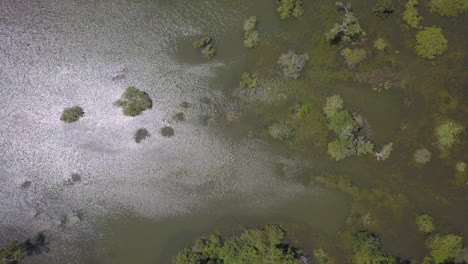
{"x": 249, "y": 80}
{"x": 422, "y": 156}
{"x": 207, "y": 46}
{"x": 349, "y": 30}
{"x": 304, "y": 111}
{"x": 380, "y": 44}
{"x": 431, "y": 42}
{"x": 333, "y": 104}
{"x": 12, "y": 253}
{"x": 367, "y": 250}
{"x": 290, "y": 7}
{"x": 251, "y": 35}
{"x": 444, "y": 248}
{"x": 292, "y": 64}
{"x": 353, "y": 56}
{"x": 252, "y": 246}
{"x": 72, "y": 114}
{"x": 425, "y": 223}
{"x": 449, "y": 7}
{"x": 133, "y": 101}
{"x": 461, "y": 166}
{"x": 447, "y": 133}
{"x": 411, "y": 14}
{"x": 281, "y": 131}
{"x": 385, "y": 152}
{"x": 383, "y": 8}
{"x": 322, "y": 257}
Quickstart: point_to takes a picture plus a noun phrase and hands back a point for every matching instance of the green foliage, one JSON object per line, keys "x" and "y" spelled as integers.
{"x": 431, "y": 42}
{"x": 304, "y": 111}
{"x": 249, "y": 80}
{"x": 343, "y": 124}
{"x": 134, "y": 101}
{"x": 252, "y": 246}
{"x": 292, "y": 64}
{"x": 12, "y": 253}
{"x": 449, "y": 7}
{"x": 380, "y": 44}
{"x": 363, "y": 146}
{"x": 333, "y": 104}
{"x": 447, "y": 133}
{"x": 385, "y": 152}
{"x": 461, "y": 166}
{"x": 322, "y": 257}
{"x": 349, "y": 30}
{"x": 367, "y": 250}
{"x": 411, "y": 14}
{"x": 281, "y": 131}
{"x": 353, "y": 56}
{"x": 383, "y": 8}
{"x": 290, "y": 7}
{"x": 422, "y": 156}
{"x": 206, "y": 45}
{"x": 72, "y": 114}
{"x": 425, "y": 223}
{"x": 341, "y": 148}
{"x": 251, "y": 35}
{"x": 444, "y": 248}
{"x": 386, "y": 85}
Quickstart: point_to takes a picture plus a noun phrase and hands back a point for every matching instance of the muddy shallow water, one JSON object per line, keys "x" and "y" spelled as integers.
{"x": 215, "y": 169}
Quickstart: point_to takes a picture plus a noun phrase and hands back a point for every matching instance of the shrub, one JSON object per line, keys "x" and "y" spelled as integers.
{"x": 281, "y": 131}
{"x": 385, "y": 152}
{"x": 422, "y": 156}
{"x": 380, "y": 44}
{"x": 12, "y": 253}
{"x": 447, "y": 133}
{"x": 202, "y": 42}
{"x": 431, "y": 42}
{"x": 448, "y": 7}
{"x": 353, "y": 56}
{"x": 72, "y": 114}
{"x": 383, "y": 8}
{"x": 444, "y": 248}
{"x": 304, "y": 111}
{"x": 290, "y": 7}
{"x": 322, "y": 257}
{"x": 343, "y": 124}
{"x": 348, "y": 30}
{"x": 134, "y": 101}
{"x": 333, "y": 104}
{"x": 292, "y": 64}
{"x": 411, "y": 15}
{"x": 249, "y": 80}
{"x": 363, "y": 146}
{"x": 207, "y": 46}
{"x": 251, "y": 35}
{"x": 386, "y": 85}
{"x": 367, "y": 250}
{"x": 341, "y": 148}
{"x": 425, "y": 224}
{"x": 461, "y": 166}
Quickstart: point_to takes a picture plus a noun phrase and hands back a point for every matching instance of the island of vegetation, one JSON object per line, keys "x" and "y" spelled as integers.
{"x": 290, "y": 7}
{"x": 134, "y": 101}
{"x": 206, "y": 44}
{"x": 72, "y": 114}
{"x": 431, "y": 42}
{"x": 251, "y": 35}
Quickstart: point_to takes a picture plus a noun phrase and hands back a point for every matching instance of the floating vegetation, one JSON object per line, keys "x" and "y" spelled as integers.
{"x": 206, "y": 44}
{"x": 411, "y": 14}
{"x": 72, "y": 114}
{"x": 290, "y": 7}
{"x": 251, "y": 35}
{"x": 292, "y": 64}
{"x": 134, "y": 102}
{"x": 431, "y": 42}
{"x": 349, "y": 30}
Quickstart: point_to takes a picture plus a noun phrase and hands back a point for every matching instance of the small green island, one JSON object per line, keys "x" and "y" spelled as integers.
{"x": 134, "y": 101}
{"x": 72, "y": 114}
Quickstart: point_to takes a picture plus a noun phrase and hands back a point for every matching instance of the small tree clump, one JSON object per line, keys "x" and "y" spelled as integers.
{"x": 422, "y": 156}
{"x": 380, "y": 44}
{"x": 461, "y": 166}
{"x": 72, "y": 114}
{"x": 444, "y": 248}
{"x": 383, "y": 8}
{"x": 363, "y": 146}
{"x": 449, "y": 7}
{"x": 322, "y": 257}
{"x": 281, "y": 131}
{"x": 290, "y": 7}
{"x": 333, "y": 104}
{"x": 292, "y": 64}
{"x": 385, "y": 152}
{"x": 12, "y": 253}
{"x": 249, "y": 80}
{"x": 251, "y": 35}
{"x": 134, "y": 101}
{"x": 304, "y": 111}
{"x": 431, "y": 42}
{"x": 349, "y": 30}
{"x": 386, "y": 85}
{"x": 353, "y": 56}
{"x": 447, "y": 134}
{"x": 367, "y": 250}
{"x": 425, "y": 223}
{"x": 206, "y": 45}
{"x": 411, "y": 14}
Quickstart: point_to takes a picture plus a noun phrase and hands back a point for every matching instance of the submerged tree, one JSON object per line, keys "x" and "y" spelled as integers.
{"x": 411, "y": 14}
{"x": 281, "y": 131}
{"x": 444, "y": 248}
{"x": 249, "y": 80}
{"x": 431, "y": 42}
{"x": 251, "y": 35}
{"x": 449, "y": 7}
{"x": 348, "y": 30}
{"x": 385, "y": 152}
{"x": 383, "y": 8}
{"x": 72, "y": 114}
{"x": 206, "y": 44}
{"x": 447, "y": 134}
{"x": 425, "y": 223}
{"x": 134, "y": 101}
{"x": 367, "y": 250}
{"x": 422, "y": 156}
{"x": 290, "y": 7}
{"x": 292, "y": 64}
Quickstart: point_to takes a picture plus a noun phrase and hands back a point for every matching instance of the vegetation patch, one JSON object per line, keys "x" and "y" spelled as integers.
{"x": 13, "y": 252}
{"x": 422, "y": 156}
{"x": 252, "y": 246}
{"x": 134, "y": 101}
{"x": 249, "y": 81}
{"x": 461, "y": 166}
{"x": 349, "y": 30}
{"x": 292, "y": 64}
{"x": 385, "y": 152}
{"x": 353, "y": 56}
{"x": 380, "y": 44}
{"x": 251, "y": 35}
{"x": 303, "y": 111}
{"x": 447, "y": 134}
{"x": 206, "y": 44}
{"x": 367, "y": 250}
{"x": 411, "y": 14}
{"x": 444, "y": 248}
{"x": 72, "y": 114}
{"x": 449, "y": 7}
{"x": 425, "y": 223}
{"x": 431, "y": 42}
{"x": 290, "y": 7}
{"x": 281, "y": 131}
{"x": 383, "y": 8}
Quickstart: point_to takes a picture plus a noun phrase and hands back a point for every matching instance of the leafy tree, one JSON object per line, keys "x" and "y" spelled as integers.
{"x": 251, "y": 35}
{"x": 249, "y": 80}
{"x": 322, "y": 257}
{"x": 72, "y": 114}
{"x": 206, "y": 45}
{"x": 292, "y": 64}
{"x": 449, "y": 7}
{"x": 461, "y": 166}
{"x": 281, "y": 131}
{"x": 425, "y": 223}
{"x": 349, "y": 30}
{"x": 385, "y": 85}
{"x": 380, "y": 44}
{"x": 367, "y": 250}
{"x": 343, "y": 124}
{"x": 411, "y": 14}
{"x": 304, "y": 111}
{"x": 353, "y": 56}
{"x": 363, "y": 146}
{"x": 431, "y": 42}
{"x": 444, "y": 248}
{"x": 134, "y": 101}
{"x": 333, "y": 104}
{"x": 447, "y": 133}
{"x": 422, "y": 156}
{"x": 341, "y": 148}
{"x": 290, "y": 7}
{"x": 383, "y": 8}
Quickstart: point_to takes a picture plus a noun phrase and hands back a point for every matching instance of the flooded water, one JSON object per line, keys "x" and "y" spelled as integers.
{"x": 213, "y": 167}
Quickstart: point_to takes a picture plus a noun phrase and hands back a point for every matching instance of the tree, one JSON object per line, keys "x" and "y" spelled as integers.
{"x": 249, "y": 80}
{"x": 292, "y": 64}
{"x": 411, "y": 14}
{"x": 251, "y": 35}
{"x": 206, "y": 44}
{"x": 341, "y": 148}
{"x": 134, "y": 102}
{"x": 367, "y": 250}
{"x": 431, "y": 42}
{"x": 72, "y": 114}
{"x": 353, "y": 56}
{"x": 333, "y": 104}
{"x": 447, "y": 134}
{"x": 380, "y": 44}
{"x": 444, "y": 248}
{"x": 349, "y": 30}
{"x": 385, "y": 152}
{"x": 383, "y": 8}
{"x": 449, "y": 7}
{"x": 422, "y": 156}
{"x": 290, "y": 7}
{"x": 304, "y": 111}
{"x": 425, "y": 223}
{"x": 281, "y": 131}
